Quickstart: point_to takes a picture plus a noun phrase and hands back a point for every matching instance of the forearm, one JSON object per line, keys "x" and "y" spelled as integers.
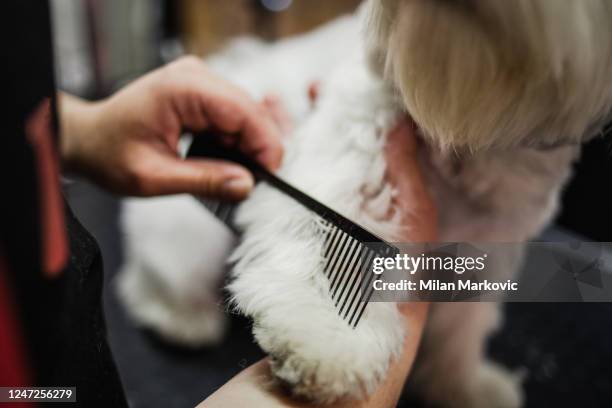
{"x": 387, "y": 395}
{"x": 255, "y": 386}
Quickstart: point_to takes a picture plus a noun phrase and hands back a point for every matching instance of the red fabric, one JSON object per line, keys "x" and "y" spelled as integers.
{"x": 53, "y": 240}
{"x": 13, "y": 368}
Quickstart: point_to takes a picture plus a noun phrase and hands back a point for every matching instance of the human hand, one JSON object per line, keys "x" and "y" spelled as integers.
{"x": 128, "y": 142}
{"x": 419, "y": 215}
{"x": 255, "y": 386}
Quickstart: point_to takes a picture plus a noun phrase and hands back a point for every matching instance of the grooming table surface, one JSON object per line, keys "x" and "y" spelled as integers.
{"x": 565, "y": 348}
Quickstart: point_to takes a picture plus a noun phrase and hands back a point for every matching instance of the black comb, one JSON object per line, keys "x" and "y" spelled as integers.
{"x": 348, "y": 249}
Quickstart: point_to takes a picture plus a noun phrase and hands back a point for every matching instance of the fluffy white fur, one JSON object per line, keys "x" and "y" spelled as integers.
{"x": 335, "y": 156}
{"x": 488, "y": 80}
{"x": 175, "y": 251}
{"x": 168, "y": 282}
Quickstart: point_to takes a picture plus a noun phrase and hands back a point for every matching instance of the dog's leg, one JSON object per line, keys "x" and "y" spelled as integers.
{"x": 337, "y": 156}
{"x": 451, "y": 369}
{"x": 175, "y": 254}
{"x": 281, "y": 285}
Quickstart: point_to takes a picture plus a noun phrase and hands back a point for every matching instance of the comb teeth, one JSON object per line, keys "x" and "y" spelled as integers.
{"x": 349, "y": 249}
{"x": 223, "y": 211}
{"x": 346, "y": 262}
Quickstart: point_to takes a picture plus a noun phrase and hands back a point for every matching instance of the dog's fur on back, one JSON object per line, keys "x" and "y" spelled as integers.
{"x": 503, "y": 91}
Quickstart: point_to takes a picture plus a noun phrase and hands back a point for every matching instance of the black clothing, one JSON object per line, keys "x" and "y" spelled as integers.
{"x": 60, "y": 319}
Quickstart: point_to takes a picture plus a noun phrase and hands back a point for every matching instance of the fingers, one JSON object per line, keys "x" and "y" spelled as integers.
{"x": 402, "y": 140}
{"x": 161, "y": 174}
{"x": 400, "y": 152}
{"x": 259, "y": 137}
{"x": 202, "y": 98}
{"x": 413, "y": 199}
{"x": 233, "y": 111}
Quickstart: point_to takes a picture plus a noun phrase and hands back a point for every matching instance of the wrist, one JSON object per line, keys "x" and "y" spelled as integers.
{"x": 78, "y": 124}
{"x": 420, "y": 211}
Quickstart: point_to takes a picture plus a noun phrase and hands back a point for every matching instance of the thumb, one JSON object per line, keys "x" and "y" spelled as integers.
{"x": 207, "y": 178}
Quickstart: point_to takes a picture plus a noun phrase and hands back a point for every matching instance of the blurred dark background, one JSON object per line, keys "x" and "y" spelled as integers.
{"x": 103, "y": 44}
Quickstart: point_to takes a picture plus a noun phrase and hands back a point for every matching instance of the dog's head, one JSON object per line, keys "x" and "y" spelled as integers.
{"x": 497, "y": 73}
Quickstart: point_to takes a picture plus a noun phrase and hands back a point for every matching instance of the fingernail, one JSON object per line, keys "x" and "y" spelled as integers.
{"x": 238, "y": 187}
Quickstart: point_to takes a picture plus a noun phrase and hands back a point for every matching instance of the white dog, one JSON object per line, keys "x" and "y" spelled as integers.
{"x": 503, "y": 92}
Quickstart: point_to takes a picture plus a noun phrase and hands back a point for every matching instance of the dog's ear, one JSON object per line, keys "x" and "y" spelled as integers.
{"x": 481, "y": 73}
{"x": 379, "y": 20}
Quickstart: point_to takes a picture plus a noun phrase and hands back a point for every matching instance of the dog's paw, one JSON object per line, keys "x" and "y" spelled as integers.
{"x": 324, "y": 360}
{"x": 493, "y": 386}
